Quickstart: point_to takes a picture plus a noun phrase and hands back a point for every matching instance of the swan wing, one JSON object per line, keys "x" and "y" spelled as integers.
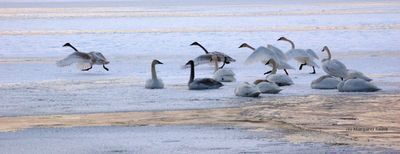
{"x": 97, "y": 55}
{"x": 335, "y": 68}
{"x": 357, "y": 74}
{"x": 205, "y": 83}
{"x": 221, "y": 56}
{"x": 312, "y": 54}
{"x": 76, "y": 57}
{"x": 296, "y": 53}
{"x": 261, "y": 54}
{"x": 278, "y": 52}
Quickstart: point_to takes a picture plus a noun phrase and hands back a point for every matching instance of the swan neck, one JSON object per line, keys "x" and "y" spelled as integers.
{"x": 191, "y": 73}
{"x": 329, "y": 54}
{"x": 153, "y": 72}
{"x": 205, "y": 50}
{"x": 252, "y": 48}
{"x": 73, "y": 48}
{"x": 291, "y": 43}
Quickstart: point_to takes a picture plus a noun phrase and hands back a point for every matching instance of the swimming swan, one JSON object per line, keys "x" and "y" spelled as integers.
{"x": 325, "y": 82}
{"x": 354, "y": 84}
{"x": 304, "y": 57}
{"x": 279, "y": 79}
{"x": 84, "y": 61}
{"x": 154, "y": 82}
{"x": 206, "y": 58}
{"x": 333, "y": 67}
{"x": 263, "y": 54}
{"x": 201, "y": 83}
{"x": 247, "y": 90}
{"x": 222, "y": 74}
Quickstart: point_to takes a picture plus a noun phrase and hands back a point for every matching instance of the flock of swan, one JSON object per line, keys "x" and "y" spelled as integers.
{"x": 337, "y": 75}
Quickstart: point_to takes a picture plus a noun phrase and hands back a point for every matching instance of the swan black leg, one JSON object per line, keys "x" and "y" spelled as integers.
{"x": 105, "y": 67}
{"x": 301, "y": 66}
{"x": 313, "y": 70}
{"x": 87, "y": 68}
{"x": 286, "y": 72}
{"x": 267, "y": 72}
{"x": 222, "y": 65}
{"x": 341, "y": 79}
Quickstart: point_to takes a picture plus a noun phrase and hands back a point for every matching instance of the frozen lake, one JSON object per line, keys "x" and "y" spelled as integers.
{"x": 362, "y": 34}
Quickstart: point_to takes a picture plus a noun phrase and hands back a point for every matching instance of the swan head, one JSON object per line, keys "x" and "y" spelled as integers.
{"x": 67, "y": 45}
{"x": 190, "y": 62}
{"x": 155, "y": 61}
{"x": 195, "y": 43}
{"x": 325, "y": 49}
{"x": 282, "y": 39}
{"x": 244, "y": 45}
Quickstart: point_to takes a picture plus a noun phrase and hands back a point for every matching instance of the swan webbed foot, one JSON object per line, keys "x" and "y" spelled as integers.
{"x": 87, "y": 68}
{"x": 105, "y": 68}
{"x": 286, "y": 72}
{"x": 267, "y": 72}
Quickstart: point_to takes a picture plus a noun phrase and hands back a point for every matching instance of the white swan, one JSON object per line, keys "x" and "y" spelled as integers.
{"x": 279, "y": 79}
{"x": 201, "y": 83}
{"x": 356, "y": 85}
{"x": 84, "y": 61}
{"x": 222, "y": 74}
{"x": 154, "y": 82}
{"x": 357, "y": 74}
{"x": 206, "y": 58}
{"x": 268, "y": 88}
{"x": 303, "y": 56}
{"x": 247, "y": 90}
{"x": 325, "y": 82}
{"x": 263, "y": 54}
{"x": 333, "y": 67}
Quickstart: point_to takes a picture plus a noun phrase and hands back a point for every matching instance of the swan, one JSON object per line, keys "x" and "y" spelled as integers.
{"x": 268, "y": 87}
{"x": 247, "y": 90}
{"x": 222, "y": 74}
{"x": 279, "y": 79}
{"x": 304, "y": 57}
{"x": 325, "y": 82}
{"x": 333, "y": 67}
{"x": 206, "y": 58}
{"x": 154, "y": 82}
{"x": 201, "y": 83}
{"x": 357, "y": 74}
{"x": 85, "y": 61}
{"x": 263, "y": 54}
{"x": 354, "y": 84}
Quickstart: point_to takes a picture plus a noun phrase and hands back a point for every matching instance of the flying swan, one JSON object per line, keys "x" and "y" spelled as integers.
{"x": 207, "y": 57}
{"x": 84, "y": 61}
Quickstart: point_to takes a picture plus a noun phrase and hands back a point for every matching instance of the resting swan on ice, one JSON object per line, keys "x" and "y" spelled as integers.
{"x": 325, "y": 82}
{"x": 154, "y": 82}
{"x": 222, "y": 74}
{"x": 201, "y": 83}
{"x": 279, "y": 79}
{"x": 354, "y": 84}
{"x": 207, "y": 57}
{"x": 263, "y": 54}
{"x": 247, "y": 90}
{"x": 84, "y": 61}
{"x": 303, "y": 56}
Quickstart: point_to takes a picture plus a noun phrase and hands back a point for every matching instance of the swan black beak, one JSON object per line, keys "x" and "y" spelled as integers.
{"x": 194, "y": 43}
{"x": 66, "y": 44}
